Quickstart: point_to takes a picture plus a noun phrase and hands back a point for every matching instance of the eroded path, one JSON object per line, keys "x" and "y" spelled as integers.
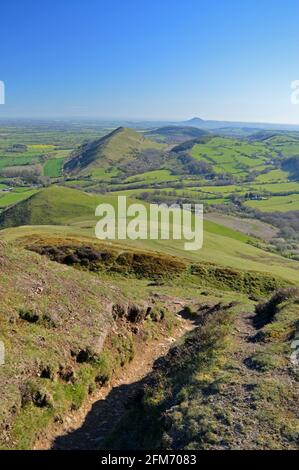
{"x": 86, "y": 428}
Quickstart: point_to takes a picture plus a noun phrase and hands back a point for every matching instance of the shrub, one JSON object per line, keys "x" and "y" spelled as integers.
{"x": 32, "y": 392}
{"x": 31, "y": 316}
{"x": 71, "y": 259}
{"x": 265, "y": 311}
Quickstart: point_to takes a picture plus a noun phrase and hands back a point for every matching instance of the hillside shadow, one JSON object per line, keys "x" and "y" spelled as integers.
{"x": 101, "y": 419}
{"x": 105, "y": 414}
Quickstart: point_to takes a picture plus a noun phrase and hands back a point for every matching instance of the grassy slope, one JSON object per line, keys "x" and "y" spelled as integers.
{"x": 53, "y": 167}
{"x": 48, "y": 314}
{"x": 120, "y": 145}
{"x": 247, "y": 226}
{"x": 238, "y": 158}
{"x": 15, "y": 196}
{"x": 31, "y": 283}
{"x": 152, "y": 177}
{"x": 53, "y": 205}
{"x": 222, "y": 245}
{"x": 218, "y": 249}
{"x": 230, "y": 385}
{"x": 277, "y": 203}
{"x": 74, "y": 302}
{"x": 72, "y": 309}
{"x": 73, "y": 313}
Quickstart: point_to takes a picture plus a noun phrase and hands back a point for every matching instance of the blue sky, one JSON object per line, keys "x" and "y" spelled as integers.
{"x": 217, "y": 59}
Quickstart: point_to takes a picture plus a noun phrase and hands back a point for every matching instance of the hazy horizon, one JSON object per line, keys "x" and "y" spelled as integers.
{"x": 137, "y": 120}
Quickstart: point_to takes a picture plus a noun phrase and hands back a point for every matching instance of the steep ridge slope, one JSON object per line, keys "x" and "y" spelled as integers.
{"x": 51, "y": 206}
{"x": 120, "y": 146}
{"x": 65, "y": 332}
{"x": 49, "y": 315}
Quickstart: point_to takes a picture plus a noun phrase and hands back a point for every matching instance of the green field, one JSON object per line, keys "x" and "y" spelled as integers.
{"x": 283, "y": 187}
{"x": 152, "y": 177}
{"x": 277, "y": 203}
{"x": 104, "y": 174}
{"x": 13, "y": 197}
{"x": 53, "y": 167}
{"x": 232, "y": 156}
{"x": 273, "y": 175}
{"x": 250, "y": 165}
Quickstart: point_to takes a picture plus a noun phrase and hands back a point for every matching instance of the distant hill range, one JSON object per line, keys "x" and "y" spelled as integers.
{"x": 225, "y": 126}
{"x": 212, "y": 125}
{"x": 175, "y": 134}
{"x": 125, "y": 152}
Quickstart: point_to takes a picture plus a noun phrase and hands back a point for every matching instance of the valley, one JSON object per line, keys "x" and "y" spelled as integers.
{"x": 105, "y": 339}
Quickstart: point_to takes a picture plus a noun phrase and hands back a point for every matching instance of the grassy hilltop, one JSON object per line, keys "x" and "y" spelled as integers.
{"x": 120, "y": 146}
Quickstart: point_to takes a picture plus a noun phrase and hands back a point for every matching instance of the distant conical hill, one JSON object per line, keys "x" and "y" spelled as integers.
{"x": 121, "y": 146}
